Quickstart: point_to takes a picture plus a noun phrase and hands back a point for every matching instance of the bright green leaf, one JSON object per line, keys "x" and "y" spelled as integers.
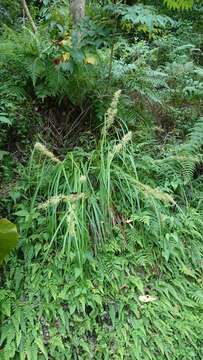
{"x": 8, "y": 237}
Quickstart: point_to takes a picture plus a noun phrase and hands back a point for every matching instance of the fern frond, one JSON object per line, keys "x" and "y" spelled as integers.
{"x": 139, "y": 14}
{"x": 179, "y": 4}
{"x": 196, "y": 135}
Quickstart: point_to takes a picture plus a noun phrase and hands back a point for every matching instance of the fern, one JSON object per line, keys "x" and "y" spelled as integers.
{"x": 197, "y": 296}
{"x": 193, "y": 89}
{"x": 179, "y": 4}
{"x": 187, "y": 156}
{"x": 137, "y": 75}
{"x": 195, "y": 138}
{"x": 139, "y": 14}
{"x": 36, "y": 68}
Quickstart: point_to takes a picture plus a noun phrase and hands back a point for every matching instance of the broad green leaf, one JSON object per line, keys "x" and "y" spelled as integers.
{"x": 5, "y": 120}
{"x": 6, "y": 307}
{"x": 3, "y": 153}
{"x": 8, "y": 237}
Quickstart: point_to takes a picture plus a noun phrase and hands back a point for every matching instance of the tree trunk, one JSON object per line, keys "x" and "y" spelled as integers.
{"x": 27, "y": 13}
{"x": 77, "y": 10}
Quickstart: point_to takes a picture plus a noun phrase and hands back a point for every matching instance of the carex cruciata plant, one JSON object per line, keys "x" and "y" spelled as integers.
{"x": 84, "y": 194}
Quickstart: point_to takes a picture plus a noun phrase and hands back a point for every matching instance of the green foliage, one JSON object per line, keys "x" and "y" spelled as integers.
{"x": 139, "y": 15}
{"x": 52, "y": 69}
{"x": 8, "y": 237}
{"x": 55, "y": 15}
{"x": 146, "y": 243}
{"x": 9, "y": 11}
{"x": 109, "y": 263}
{"x": 179, "y": 4}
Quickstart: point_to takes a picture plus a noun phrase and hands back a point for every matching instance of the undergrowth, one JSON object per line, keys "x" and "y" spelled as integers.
{"x": 98, "y": 231}
{"x": 109, "y": 262}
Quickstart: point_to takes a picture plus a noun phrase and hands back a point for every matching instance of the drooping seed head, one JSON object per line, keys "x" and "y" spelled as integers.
{"x": 42, "y": 149}
{"x": 55, "y": 200}
{"x": 111, "y": 112}
{"x": 123, "y": 142}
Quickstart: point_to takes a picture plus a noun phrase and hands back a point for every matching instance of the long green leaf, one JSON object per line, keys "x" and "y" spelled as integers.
{"x": 8, "y": 237}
